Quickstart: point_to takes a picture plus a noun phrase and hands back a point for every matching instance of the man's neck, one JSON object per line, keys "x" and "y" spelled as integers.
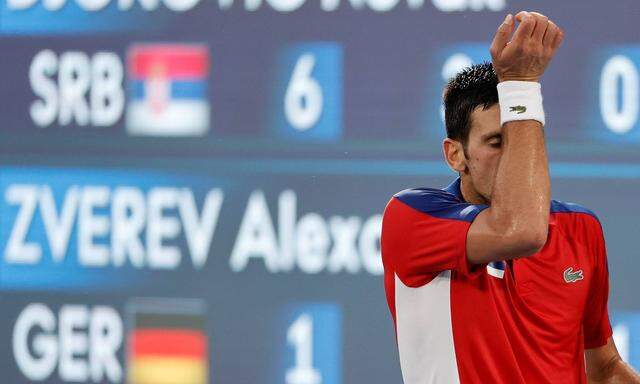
{"x": 470, "y": 195}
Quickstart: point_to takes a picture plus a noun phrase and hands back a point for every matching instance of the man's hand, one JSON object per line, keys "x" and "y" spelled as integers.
{"x": 532, "y": 47}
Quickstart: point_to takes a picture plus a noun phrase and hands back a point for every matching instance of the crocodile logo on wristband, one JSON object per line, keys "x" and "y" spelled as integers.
{"x": 519, "y": 109}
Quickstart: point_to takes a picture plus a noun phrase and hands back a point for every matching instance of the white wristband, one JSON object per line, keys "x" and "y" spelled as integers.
{"x": 520, "y": 100}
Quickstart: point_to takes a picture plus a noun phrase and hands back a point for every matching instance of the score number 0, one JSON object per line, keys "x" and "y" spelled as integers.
{"x": 619, "y": 76}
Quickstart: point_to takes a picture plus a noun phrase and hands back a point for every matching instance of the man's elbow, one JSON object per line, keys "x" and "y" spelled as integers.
{"x": 531, "y": 241}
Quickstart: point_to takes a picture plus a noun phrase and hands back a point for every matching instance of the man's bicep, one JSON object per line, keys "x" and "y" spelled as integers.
{"x": 597, "y": 359}
{"x": 605, "y": 365}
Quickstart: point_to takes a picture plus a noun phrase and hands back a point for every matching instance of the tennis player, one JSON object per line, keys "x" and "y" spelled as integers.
{"x": 489, "y": 280}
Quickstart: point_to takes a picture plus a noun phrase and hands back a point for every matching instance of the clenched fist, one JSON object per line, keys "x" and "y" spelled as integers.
{"x": 526, "y": 56}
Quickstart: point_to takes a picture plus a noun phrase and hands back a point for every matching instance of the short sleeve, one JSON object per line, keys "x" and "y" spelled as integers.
{"x": 596, "y": 325}
{"x": 424, "y": 232}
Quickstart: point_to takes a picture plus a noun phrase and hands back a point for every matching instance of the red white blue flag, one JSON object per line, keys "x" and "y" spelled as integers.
{"x": 168, "y": 90}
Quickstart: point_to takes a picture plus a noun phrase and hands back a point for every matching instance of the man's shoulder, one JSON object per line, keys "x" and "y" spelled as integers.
{"x": 438, "y": 203}
{"x": 578, "y": 210}
{"x": 580, "y": 222}
{"x": 424, "y": 195}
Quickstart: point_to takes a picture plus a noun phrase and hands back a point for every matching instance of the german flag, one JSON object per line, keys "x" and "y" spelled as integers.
{"x": 167, "y": 348}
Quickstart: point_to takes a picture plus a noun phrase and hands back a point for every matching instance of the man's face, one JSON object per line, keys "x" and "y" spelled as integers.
{"x": 484, "y": 148}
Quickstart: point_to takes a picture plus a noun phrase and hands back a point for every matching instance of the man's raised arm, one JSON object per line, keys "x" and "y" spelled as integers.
{"x": 515, "y": 225}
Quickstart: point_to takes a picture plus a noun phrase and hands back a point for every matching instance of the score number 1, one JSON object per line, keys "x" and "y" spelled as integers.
{"x": 300, "y": 337}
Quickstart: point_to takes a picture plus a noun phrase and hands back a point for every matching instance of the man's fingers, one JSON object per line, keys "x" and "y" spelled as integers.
{"x": 502, "y": 36}
{"x": 542, "y": 23}
{"x": 520, "y": 15}
{"x": 557, "y": 39}
{"x": 526, "y": 27}
{"x": 550, "y": 35}
{"x": 530, "y": 49}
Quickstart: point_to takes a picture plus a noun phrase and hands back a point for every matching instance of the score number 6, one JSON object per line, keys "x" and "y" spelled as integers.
{"x": 303, "y": 100}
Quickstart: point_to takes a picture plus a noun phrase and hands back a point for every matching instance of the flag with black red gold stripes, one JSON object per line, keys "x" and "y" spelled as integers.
{"x": 167, "y": 342}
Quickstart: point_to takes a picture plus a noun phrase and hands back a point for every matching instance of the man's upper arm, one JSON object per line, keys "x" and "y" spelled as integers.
{"x": 598, "y": 360}
{"x": 424, "y": 232}
{"x": 604, "y": 365}
{"x": 603, "y": 362}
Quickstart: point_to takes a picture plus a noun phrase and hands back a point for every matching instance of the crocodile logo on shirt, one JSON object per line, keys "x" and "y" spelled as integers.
{"x": 571, "y": 277}
{"x": 519, "y": 109}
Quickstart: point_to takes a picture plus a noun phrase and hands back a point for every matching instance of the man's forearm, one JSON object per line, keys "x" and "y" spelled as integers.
{"x": 522, "y": 185}
{"x": 521, "y": 193}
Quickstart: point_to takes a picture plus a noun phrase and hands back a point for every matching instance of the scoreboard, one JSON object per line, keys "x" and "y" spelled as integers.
{"x": 191, "y": 191}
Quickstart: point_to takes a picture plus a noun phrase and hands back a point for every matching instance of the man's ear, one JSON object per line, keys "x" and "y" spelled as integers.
{"x": 454, "y": 155}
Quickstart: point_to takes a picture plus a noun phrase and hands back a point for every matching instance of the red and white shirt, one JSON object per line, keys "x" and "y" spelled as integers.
{"x": 521, "y": 321}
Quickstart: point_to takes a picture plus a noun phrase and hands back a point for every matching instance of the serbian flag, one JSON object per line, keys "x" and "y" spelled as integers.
{"x": 167, "y": 348}
{"x": 167, "y": 90}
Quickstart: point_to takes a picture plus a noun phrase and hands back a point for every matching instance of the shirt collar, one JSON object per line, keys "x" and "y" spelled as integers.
{"x": 454, "y": 189}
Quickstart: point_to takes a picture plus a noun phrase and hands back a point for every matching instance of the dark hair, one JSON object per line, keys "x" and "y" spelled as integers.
{"x": 473, "y": 87}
